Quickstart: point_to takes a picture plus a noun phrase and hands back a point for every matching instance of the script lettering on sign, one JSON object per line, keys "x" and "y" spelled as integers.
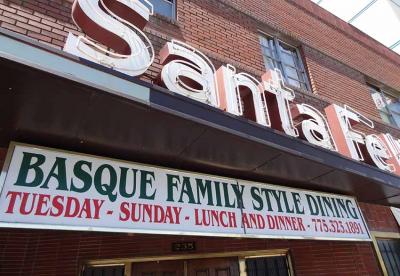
{"x": 394, "y": 146}
{"x": 118, "y": 24}
{"x": 44, "y": 188}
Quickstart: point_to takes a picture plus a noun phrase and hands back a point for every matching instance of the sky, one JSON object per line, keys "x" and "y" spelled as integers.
{"x": 379, "y": 19}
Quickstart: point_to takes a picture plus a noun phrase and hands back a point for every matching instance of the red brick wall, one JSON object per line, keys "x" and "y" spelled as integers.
{"x": 379, "y": 218}
{"x": 347, "y": 29}
{"x": 46, "y": 21}
{"x": 339, "y": 83}
{"x": 315, "y": 27}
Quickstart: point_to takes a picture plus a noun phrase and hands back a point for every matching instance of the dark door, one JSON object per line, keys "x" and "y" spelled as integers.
{"x": 117, "y": 270}
{"x": 198, "y": 267}
{"x": 213, "y": 267}
{"x": 162, "y": 268}
{"x": 268, "y": 266}
{"x": 390, "y": 251}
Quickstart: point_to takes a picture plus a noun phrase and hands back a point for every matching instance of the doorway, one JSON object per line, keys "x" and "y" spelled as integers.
{"x": 196, "y": 267}
{"x": 242, "y": 263}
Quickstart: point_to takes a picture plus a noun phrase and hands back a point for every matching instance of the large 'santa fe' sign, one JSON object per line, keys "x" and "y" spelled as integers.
{"x": 118, "y": 24}
{"x": 45, "y": 188}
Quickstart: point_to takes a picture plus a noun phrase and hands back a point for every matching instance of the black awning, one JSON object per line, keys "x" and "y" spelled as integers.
{"x": 50, "y": 98}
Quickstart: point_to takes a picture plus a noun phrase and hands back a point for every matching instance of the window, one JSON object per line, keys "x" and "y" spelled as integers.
{"x": 271, "y": 266}
{"x": 390, "y": 251}
{"x": 164, "y": 7}
{"x": 278, "y": 55}
{"x": 387, "y": 105}
{"x": 111, "y": 270}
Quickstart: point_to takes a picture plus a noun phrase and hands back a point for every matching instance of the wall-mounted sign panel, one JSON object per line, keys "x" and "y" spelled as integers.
{"x": 396, "y": 214}
{"x": 52, "y": 189}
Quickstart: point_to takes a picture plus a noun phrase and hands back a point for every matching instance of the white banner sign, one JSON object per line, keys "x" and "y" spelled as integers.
{"x": 51, "y": 189}
{"x": 396, "y": 214}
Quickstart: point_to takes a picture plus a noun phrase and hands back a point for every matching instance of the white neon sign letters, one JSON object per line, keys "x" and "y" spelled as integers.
{"x": 283, "y": 96}
{"x": 105, "y": 23}
{"x": 379, "y": 152}
{"x": 346, "y": 118}
{"x": 189, "y": 73}
{"x": 117, "y": 24}
{"x": 315, "y": 128}
{"x": 230, "y": 85}
{"x": 394, "y": 146}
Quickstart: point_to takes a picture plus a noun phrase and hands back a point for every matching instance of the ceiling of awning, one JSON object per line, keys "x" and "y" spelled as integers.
{"x": 44, "y": 103}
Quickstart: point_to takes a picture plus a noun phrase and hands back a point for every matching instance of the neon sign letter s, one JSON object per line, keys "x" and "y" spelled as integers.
{"x": 115, "y": 24}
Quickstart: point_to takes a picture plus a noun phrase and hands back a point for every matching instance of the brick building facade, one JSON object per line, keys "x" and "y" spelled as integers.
{"x": 340, "y": 62}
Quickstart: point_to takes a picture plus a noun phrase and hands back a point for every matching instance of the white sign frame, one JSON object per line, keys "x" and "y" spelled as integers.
{"x": 396, "y": 214}
{"x": 5, "y": 171}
